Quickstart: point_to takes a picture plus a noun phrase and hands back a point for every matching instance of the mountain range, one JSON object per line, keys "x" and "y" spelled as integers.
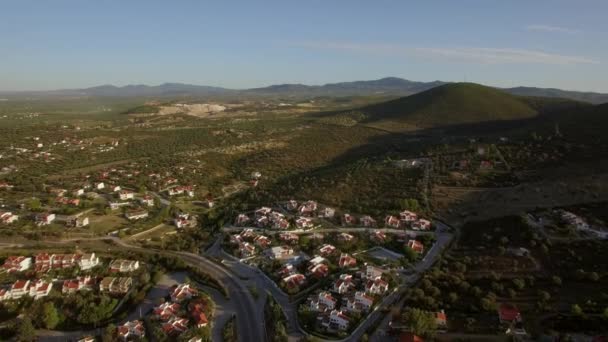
{"x": 391, "y": 86}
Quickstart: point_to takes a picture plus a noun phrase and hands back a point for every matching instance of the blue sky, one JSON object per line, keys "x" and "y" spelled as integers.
{"x": 238, "y": 44}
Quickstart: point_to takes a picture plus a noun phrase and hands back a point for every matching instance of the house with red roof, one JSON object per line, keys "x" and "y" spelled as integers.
{"x": 289, "y": 237}
{"x": 376, "y": 286}
{"x": 508, "y": 313}
{"x": 367, "y": 221}
{"x": 441, "y": 320}
{"x": 408, "y": 216}
{"x": 391, "y": 221}
{"x": 183, "y": 292}
{"x": 304, "y": 222}
{"x": 361, "y": 302}
{"x": 322, "y": 302}
{"x": 319, "y": 271}
{"x": 6, "y": 217}
{"x": 421, "y": 224}
{"x": 348, "y": 220}
{"x": 17, "y": 264}
{"x": 294, "y": 281}
{"x": 131, "y": 329}
{"x": 327, "y": 250}
{"x": 345, "y": 237}
{"x": 44, "y": 219}
{"x": 166, "y": 311}
{"x": 347, "y": 261}
{"x": 378, "y": 236}
{"x": 20, "y": 288}
{"x": 338, "y": 320}
{"x": 40, "y": 288}
{"x": 416, "y": 246}
{"x": 343, "y": 284}
{"x": 241, "y": 220}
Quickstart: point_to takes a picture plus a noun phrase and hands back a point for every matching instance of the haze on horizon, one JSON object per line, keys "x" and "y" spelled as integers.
{"x": 238, "y": 44}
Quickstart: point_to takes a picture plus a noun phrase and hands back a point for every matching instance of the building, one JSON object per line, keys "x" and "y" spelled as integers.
{"x": 20, "y": 288}
{"x": 508, "y": 313}
{"x": 344, "y": 284}
{"x": 416, "y": 246}
{"x": 327, "y": 212}
{"x": 241, "y": 220}
{"x": 77, "y": 222}
{"x": 116, "y": 285}
{"x": 367, "y": 221}
{"x": 322, "y": 302}
{"x": 304, "y": 222}
{"x": 376, "y": 286}
{"x": 289, "y": 237}
{"x": 80, "y": 283}
{"x": 327, "y": 250}
{"x": 421, "y": 224}
{"x": 392, "y": 221}
{"x": 319, "y": 271}
{"x": 307, "y": 208}
{"x": 279, "y": 252}
{"x": 262, "y": 241}
{"x": 346, "y": 261}
{"x": 17, "y": 264}
{"x": 183, "y": 292}
{"x": 348, "y": 219}
{"x": 44, "y": 219}
{"x": 147, "y": 200}
{"x": 345, "y": 237}
{"x": 40, "y": 288}
{"x": 338, "y": 320}
{"x": 123, "y": 265}
{"x": 6, "y": 217}
{"x": 372, "y": 272}
{"x": 360, "y": 302}
{"x": 134, "y": 215}
{"x": 246, "y": 249}
{"x": 166, "y": 311}
{"x": 88, "y": 261}
{"x": 294, "y": 281}
{"x": 125, "y": 195}
{"x": 131, "y": 329}
{"x": 378, "y": 236}
{"x": 408, "y": 216}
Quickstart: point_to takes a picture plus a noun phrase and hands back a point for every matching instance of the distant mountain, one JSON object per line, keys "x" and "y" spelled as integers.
{"x": 590, "y": 97}
{"x": 448, "y": 104}
{"x": 391, "y": 86}
{"x": 384, "y": 86}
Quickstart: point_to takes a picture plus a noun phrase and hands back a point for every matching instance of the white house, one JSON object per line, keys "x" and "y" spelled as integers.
{"x": 6, "y": 217}
{"x": 88, "y": 261}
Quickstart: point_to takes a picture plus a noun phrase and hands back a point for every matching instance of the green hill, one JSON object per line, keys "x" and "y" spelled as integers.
{"x": 450, "y": 104}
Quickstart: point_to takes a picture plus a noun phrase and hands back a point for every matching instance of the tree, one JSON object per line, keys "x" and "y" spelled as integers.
{"x": 576, "y": 310}
{"x": 421, "y": 322}
{"x": 108, "y": 333}
{"x": 26, "y": 331}
{"x": 50, "y": 317}
{"x": 556, "y": 280}
{"x": 519, "y": 283}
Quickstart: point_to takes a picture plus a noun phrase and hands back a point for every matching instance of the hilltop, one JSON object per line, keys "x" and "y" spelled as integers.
{"x": 449, "y": 104}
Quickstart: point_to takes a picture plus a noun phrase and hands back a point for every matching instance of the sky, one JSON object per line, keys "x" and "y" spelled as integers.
{"x": 62, "y": 44}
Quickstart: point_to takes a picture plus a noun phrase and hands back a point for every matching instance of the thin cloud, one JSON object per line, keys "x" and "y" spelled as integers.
{"x": 466, "y": 54}
{"x": 553, "y": 29}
